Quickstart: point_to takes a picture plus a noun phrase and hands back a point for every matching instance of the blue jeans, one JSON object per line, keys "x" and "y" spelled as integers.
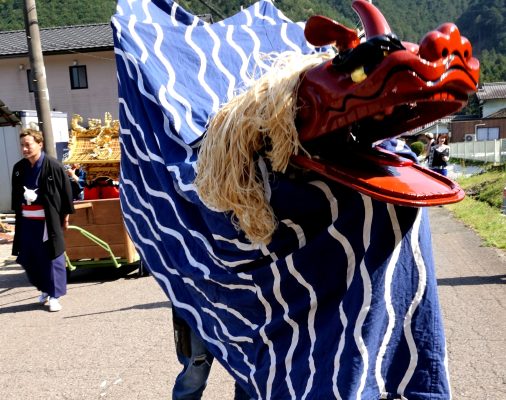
{"x": 196, "y": 360}
{"x": 442, "y": 171}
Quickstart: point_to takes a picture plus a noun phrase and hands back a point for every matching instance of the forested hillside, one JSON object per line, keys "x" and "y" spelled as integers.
{"x": 482, "y": 21}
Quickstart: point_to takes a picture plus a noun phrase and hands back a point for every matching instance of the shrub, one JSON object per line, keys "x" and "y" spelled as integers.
{"x": 417, "y": 147}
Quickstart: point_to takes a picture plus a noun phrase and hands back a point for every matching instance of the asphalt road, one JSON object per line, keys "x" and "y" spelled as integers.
{"x": 113, "y": 339}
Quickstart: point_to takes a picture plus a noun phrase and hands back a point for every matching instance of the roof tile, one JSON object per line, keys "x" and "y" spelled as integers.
{"x": 63, "y": 38}
{"x": 493, "y": 90}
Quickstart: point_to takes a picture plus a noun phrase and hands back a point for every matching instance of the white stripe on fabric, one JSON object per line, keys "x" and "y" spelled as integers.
{"x": 285, "y": 38}
{"x": 268, "y": 343}
{"x": 127, "y": 59}
{"x": 117, "y": 25}
{"x": 260, "y": 16}
{"x": 136, "y": 38}
{"x": 250, "y": 366}
{"x": 249, "y": 19}
{"x": 169, "y": 88}
{"x": 145, "y": 7}
{"x": 289, "y": 321}
{"x": 313, "y": 306}
{"x": 173, "y": 11}
{"x": 350, "y": 272}
{"x": 366, "y": 303}
{"x": 164, "y": 229}
{"x": 330, "y": 197}
{"x": 215, "y": 102}
{"x": 422, "y": 280}
{"x": 282, "y": 16}
{"x": 225, "y": 307}
{"x": 217, "y": 61}
{"x": 256, "y": 48}
{"x": 301, "y": 237}
{"x": 244, "y": 58}
{"x": 150, "y": 157}
{"x": 237, "y": 243}
{"x": 178, "y": 140}
{"x": 388, "y": 295}
{"x": 224, "y": 329}
{"x": 163, "y": 280}
{"x": 178, "y": 236}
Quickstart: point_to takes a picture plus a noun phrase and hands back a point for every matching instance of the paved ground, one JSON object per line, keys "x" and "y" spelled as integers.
{"x": 113, "y": 339}
{"x": 472, "y": 287}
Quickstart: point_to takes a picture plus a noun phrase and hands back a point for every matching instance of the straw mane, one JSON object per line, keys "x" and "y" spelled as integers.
{"x": 259, "y": 123}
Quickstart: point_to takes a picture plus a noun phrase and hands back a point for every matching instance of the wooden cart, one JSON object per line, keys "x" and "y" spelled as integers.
{"x": 97, "y": 235}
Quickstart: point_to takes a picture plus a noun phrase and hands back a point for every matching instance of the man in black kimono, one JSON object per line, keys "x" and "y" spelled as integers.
{"x": 42, "y": 201}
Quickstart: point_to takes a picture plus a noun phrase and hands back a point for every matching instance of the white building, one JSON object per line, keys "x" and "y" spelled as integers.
{"x": 492, "y": 98}
{"x": 80, "y": 70}
{"x": 10, "y": 153}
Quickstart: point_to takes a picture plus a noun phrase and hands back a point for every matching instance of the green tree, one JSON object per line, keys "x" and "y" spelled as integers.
{"x": 493, "y": 66}
{"x": 483, "y": 22}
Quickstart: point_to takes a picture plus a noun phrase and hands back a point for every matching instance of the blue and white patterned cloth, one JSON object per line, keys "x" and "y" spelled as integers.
{"x": 342, "y": 304}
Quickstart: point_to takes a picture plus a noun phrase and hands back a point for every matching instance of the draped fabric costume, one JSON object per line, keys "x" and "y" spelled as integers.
{"x": 343, "y": 301}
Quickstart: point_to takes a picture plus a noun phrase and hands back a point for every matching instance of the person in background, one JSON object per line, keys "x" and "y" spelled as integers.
{"x": 439, "y": 155}
{"x": 77, "y": 180}
{"x": 42, "y": 202}
{"x": 428, "y": 139}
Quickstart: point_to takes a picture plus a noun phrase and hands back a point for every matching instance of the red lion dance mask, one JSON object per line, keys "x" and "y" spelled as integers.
{"x": 379, "y": 89}
{"x": 340, "y": 110}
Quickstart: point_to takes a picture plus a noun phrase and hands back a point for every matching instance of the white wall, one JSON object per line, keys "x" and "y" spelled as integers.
{"x": 492, "y": 106}
{"x": 100, "y": 97}
{"x": 10, "y": 153}
{"x": 10, "y": 149}
{"x": 59, "y": 124}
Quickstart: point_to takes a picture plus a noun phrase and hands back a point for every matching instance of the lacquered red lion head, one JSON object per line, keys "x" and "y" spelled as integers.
{"x": 338, "y": 110}
{"x": 379, "y": 88}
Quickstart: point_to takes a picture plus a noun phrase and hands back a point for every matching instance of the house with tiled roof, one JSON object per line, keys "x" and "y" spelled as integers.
{"x": 492, "y": 98}
{"x": 80, "y": 70}
{"x": 491, "y": 124}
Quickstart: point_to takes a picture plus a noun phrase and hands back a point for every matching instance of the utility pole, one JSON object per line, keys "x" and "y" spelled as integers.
{"x": 39, "y": 76}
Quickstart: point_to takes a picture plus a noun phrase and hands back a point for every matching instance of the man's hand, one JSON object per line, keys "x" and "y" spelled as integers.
{"x": 65, "y": 224}
{"x": 72, "y": 173}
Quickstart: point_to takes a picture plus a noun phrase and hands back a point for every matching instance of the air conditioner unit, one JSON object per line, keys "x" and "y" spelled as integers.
{"x": 469, "y": 137}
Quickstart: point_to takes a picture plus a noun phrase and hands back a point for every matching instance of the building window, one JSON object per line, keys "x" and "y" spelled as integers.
{"x": 30, "y": 80}
{"x": 78, "y": 78}
{"x": 487, "y": 133}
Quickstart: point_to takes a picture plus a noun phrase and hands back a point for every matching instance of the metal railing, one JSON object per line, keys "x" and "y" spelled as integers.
{"x": 489, "y": 151}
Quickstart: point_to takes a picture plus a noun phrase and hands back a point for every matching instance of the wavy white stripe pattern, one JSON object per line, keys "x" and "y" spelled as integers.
{"x": 311, "y": 315}
{"x": 380, "y": 381}
{"x": 408, "y": 319}
{"x": 367, "y": 293}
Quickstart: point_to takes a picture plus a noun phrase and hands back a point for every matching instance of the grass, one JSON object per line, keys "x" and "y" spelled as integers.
{"x": 481, "y": 209}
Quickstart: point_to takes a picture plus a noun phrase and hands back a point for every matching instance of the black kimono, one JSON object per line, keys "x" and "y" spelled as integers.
{"x": 38, "y": 237}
